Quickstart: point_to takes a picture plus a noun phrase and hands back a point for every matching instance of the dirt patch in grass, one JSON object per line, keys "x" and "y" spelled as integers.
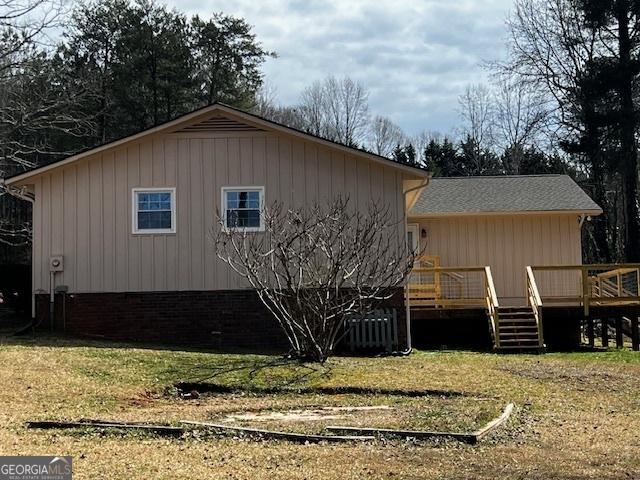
{"x": 578, "y": 375}
{"x": 190, "y": 387}
{"x": 312, "y": 415}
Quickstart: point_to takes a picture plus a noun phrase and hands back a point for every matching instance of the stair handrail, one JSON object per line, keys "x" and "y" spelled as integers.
{"x": 535, "y": 302}
{"x": 492, "y": 305}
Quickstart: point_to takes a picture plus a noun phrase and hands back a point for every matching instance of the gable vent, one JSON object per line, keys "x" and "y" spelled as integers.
{"x": 220, "y": 124}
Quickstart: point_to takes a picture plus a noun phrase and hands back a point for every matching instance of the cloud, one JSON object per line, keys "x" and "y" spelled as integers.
{"x": 415, "y": 57}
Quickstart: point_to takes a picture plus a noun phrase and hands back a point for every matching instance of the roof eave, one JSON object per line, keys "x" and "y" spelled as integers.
{"x": 590, "y": 212}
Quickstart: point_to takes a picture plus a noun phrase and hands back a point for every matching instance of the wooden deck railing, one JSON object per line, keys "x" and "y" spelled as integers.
{"x": 447, "y": 287}
{"x": 620, "y": 282}
{"x": 535, "y": 302}
{"x": 454, "y": 287}
{"x": 491, "y": 301}
{"x": 587, "y": 285}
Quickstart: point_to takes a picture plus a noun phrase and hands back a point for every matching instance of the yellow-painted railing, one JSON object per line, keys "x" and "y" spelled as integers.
{"x": 454, "y": 287}
{"x": 620, "y": 282}
{"x": 535, "y": 302}
{"x": 447, "y": 286}
{"x": 586, "y": 285}
{"x": 491, "y": 301}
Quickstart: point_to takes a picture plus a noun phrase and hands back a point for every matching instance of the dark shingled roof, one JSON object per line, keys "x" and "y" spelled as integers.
{"x": 517, "y": 193}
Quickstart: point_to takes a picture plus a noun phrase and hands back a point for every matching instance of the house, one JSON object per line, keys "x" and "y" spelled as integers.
{"x": 124, "y": 228}
{"x": 505, "y": 222}
{"x": 122, "y": 244}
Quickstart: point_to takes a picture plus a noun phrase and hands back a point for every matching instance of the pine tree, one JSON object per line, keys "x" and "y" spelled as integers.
{"x": 614, "y": 77}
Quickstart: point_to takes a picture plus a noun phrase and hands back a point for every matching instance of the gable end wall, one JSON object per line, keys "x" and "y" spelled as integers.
{"x": 83, "y": 210}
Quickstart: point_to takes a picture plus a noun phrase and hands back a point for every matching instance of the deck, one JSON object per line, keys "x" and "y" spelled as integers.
{"x": 560, "y": 305}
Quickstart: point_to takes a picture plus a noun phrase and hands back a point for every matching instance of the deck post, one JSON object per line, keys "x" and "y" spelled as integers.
{"x": 619, "y": 338}
{"x": 605, "y": 331}
{"x": 635, "y": 333}
{"x": 585, "y": 293}
{"x": 591, "y": 332}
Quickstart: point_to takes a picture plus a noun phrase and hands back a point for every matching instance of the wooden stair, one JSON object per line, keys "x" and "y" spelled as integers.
{"x": 517, "y": 329}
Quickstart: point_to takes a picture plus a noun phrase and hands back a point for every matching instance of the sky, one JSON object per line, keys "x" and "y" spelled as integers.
{"x": 414, "y": 56}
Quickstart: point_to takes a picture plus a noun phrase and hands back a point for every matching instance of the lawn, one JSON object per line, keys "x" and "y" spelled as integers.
{"x": 577, "y": 415}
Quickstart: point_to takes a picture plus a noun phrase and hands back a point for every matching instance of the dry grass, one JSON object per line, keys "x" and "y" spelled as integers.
{"x": 577, "y": 415}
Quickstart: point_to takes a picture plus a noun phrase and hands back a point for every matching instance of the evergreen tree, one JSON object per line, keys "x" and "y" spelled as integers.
{"x": 614, "y": 78}
{"x": 441, "y": 158}
{"x": 88, "y": 55}
{"x": 405, "y": 154}
{"x": 410, "y": 153}
{"x": 228, "y": 60}
{"x": 153, "y": 68}
{"x": 142, "y": 64}
{"x": 399, "y": 154}
{"x": 475, "y": 160}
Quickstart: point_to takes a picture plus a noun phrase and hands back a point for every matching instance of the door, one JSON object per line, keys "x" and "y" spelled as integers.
{"x": 413, "y": 237}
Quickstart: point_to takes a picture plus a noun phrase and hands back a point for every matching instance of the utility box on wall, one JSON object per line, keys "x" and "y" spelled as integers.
{"x": 56, "y": 263}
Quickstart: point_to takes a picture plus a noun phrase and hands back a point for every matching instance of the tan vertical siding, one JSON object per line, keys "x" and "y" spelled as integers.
{"x": 122, "y": 223}
{"x": 57, "y": 215}
{"x": 70, "y": 219}
{"x": 208, "y": 171}
{"x": 81, "y": 212}
{"x": 36, "y": 264}
{"x": 507, "y": 243}
{"x": 84, "y": 210}
{"x": 133, "y": 179}
{"x": 46, "y": 227}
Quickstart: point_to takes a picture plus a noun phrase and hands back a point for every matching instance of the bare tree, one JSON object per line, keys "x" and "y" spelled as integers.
{"x": 520, "y": 112}
{"x": 384, "y": 136}
{"x": 550, "y": 47}
{"x": 422, "y": 140}
{"x": 35, "y": 104}
{"x": 520, "y": 115}
{"x": 348, "y": 109}
{"x": 314, "y": 109}
{"x": 336, "y": 109}
{"x": 28, "y": 103}
{"x": 477, "y": 110}
{"x": 15, "y": 236}
{"x": 312, "y": 267}
{"x": 265, "y": 101}
{"x": 24, "y": 23}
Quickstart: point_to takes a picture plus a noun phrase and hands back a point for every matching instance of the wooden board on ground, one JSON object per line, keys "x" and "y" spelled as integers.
{"x": 466, "y": 437}
{"x": 295, "y": 437}
{"x": 162, "y": 429}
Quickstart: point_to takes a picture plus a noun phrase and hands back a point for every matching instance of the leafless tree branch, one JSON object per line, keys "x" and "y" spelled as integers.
{"x": 313, "y": 266}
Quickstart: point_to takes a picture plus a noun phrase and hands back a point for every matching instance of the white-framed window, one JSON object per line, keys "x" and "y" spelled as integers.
{"x": 242, "y": 208}
{"x": 154, "y": 210}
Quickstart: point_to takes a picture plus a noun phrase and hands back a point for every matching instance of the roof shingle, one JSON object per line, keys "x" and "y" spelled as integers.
{"x": 517, "y": 193}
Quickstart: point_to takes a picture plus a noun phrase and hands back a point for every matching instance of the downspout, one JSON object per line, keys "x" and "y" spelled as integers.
{"x": 409, "y": 348}
{"x": 583, "y": 217}
{"x": 52, "y": 299}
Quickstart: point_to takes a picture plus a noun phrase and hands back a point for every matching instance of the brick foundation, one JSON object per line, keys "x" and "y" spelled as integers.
{"x": 213, "y": 319}
{"x": 221, "y": 319}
